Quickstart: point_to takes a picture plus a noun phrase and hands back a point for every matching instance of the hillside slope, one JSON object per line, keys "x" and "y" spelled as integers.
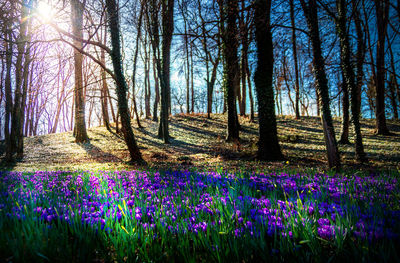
{"x": 199, "y": 142}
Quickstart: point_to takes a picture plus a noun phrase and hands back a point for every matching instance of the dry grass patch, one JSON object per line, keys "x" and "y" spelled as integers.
{"x": 199, "y": 142}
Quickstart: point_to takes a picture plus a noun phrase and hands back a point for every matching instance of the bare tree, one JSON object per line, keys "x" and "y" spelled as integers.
{"x": 310, "y": 10}
{"x": 382, "y": 18}
{"x": 230, "y": 48}
{"x": 77, "y": 7}
{"x": 296, "y": 66}
{"x": 112, "y": 10}
{"x": 268, "y": 145}
{"x": 23, "y": 60}
{"x": 164, "y": 70}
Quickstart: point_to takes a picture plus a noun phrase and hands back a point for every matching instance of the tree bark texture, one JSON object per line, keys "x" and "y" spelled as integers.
{"x": 138, "y": 36}
{"x": 167, "y": 31}
{"x": 355, "y": 91}
{"x": 296, "y": 66}
{"x": 112, "y": 10}
{"x": 230, "y": 48}
{"x": 157, "y": 92}
{"x": 21, "y": 81}
{"x": 268, "y": 145}
{"x": 80, "y": 133}
{"x": 321, "y": 82}
{"x": 9, "y": 102}
{"x": 104, "y": 88}
{"x": 393, "y": 84}
{"x": 382, "y": 18}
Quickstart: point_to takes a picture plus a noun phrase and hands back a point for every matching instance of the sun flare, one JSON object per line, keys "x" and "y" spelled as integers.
{"x": 45, "y": 11}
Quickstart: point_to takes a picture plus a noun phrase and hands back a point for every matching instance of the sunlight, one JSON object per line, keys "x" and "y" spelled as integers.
{"x": 45, "y": 12}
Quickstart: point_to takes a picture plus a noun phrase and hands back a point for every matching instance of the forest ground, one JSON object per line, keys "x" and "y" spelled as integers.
{"x": 198, "y": 142}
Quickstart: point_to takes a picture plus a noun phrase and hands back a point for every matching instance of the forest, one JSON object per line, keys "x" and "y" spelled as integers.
{"x": 199, "y": 130}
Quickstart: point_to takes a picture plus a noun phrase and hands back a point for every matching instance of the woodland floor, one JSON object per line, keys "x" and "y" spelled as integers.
{"x": 199, "y": 143}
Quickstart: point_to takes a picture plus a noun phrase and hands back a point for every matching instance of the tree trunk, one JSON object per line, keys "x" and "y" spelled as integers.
{"x": 317, "y": 100}
{"x": 153, "y": 24}
{"x": 250, "y": 91}
{"x": 245, "y": 47}
{"x": 243, "y": 81}
{"x": 127, "y": 131}
{"x": 29, "y": 106}
{"x": 157, "y": 92}
{"x": 355, "y": 90}
{"x": 147, "y": 91}
{"x": 207, "y": 60}
{"x": 230, "y": 46}
{"x": 310, "y": 11}
{"x": 138, "y": 36}
{"x": 393, "y": 84}
{"x": 187, "y": 71}
{"x": 344, "y": 137}
{"x": 296, "y": 66}
{"x": 25, "y": 84}
{"x": 268, "y": 145}
{"x": 9, "y": 102}
{"x": 192, "y": 79}
{"x": 286, "y": 83}
{"x": 104, "y": 88}
{"x": 382, "y": 16}
{"x": 168, "y": 29}
{"x": 80, "y": 133}
{"x": 21, "y": 75}
{"x": 60, "y": 100}
{"x": 212, "y": 84}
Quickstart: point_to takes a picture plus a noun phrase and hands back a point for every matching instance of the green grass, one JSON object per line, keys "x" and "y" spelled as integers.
{"x": 172, "y": 198}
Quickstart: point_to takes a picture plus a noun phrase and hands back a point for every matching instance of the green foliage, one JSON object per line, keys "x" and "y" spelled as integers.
{"x": 28, "y": 236}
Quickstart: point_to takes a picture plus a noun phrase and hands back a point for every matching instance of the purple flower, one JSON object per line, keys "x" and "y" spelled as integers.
{"x": 249, "y": 224}
{"x": 311, "y": 210}
{"x": 323, "y": 221}
{"x": 326, "y": 231}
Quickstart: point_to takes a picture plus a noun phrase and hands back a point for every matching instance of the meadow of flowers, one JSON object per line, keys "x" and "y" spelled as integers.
{"x": 198, "y": 216}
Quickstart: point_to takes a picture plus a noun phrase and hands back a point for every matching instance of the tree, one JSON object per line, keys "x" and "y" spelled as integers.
{"x": 164, "y": 70}
{"x": 138, "y": 36}
{"x": 246, "y": 33}
{"x": 340, "y": 21}
{"x": 231, "y": 69}
{"x": 8, "y": 96}
{"x": 296, "y": 66}
{"x": 345, "y": 63}
{"x": 382, "y": 19}
{"x": 15, "y": 143}
{"x": 153, "y": 30}
{"x": 321, "y": 82}
{"x": 349, "y": 78}
{"x": 268, "y": 145}
{"x": 393, "y": 84}
{"x": 80, "y": 133}
{"x": 104, "y": 87}
{"x": 112, "y": 10}
{"x": 209, "y": 58}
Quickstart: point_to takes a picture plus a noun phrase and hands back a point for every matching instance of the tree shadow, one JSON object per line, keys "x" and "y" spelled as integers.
{"x": 301, "y": 128}
{"x": 188, "y": 147}
{"x": 197, "y": 130}
{"x": 98, "y": 154}
{"x": 7, "y": 165}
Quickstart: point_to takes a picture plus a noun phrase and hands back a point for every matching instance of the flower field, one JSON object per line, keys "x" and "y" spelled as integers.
{"x": 198, "y": 216}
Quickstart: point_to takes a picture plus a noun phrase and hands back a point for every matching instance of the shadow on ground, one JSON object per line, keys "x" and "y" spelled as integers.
{"x": 200, "y": 142}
